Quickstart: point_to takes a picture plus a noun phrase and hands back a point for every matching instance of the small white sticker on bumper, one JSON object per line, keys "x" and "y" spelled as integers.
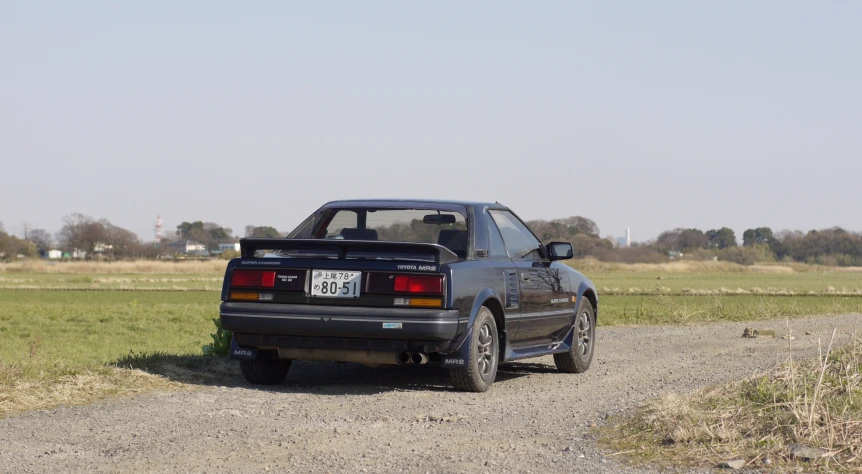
{"x": 391, "y": 325}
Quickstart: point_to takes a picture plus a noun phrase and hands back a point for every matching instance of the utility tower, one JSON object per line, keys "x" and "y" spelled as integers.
{"x": 158, "y": 228}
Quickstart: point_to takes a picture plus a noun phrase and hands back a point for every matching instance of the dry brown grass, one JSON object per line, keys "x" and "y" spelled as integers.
{"x": 680, "y": 266}
{"x": 123, "y": 267}
{"x": 39, "y": 385}
{"x": 816, "y": 403}
{"x": 588, "y": 265}
{"x": 756, "y": 291}
{"x": 709, "y": 266}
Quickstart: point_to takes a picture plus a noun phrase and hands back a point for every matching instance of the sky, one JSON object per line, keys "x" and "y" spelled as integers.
{"x": 653, "y": 115}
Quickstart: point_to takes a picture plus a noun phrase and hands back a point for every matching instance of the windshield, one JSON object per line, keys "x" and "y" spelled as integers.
{"x": 445, "y": 228}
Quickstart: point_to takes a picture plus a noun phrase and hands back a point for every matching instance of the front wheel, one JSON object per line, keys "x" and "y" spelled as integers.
{"x": 579, "y": 357}
{"x": 481, "y": 367}
{"x": 266, "y": 369}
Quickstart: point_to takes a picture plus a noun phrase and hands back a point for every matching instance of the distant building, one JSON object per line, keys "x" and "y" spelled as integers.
{"x": 229, "y": 246}
{"x": 54, "y": 254}
{"x": 99, "y": 247}
{"x": 188, "y": 247}
{"x": 625, "y": 241}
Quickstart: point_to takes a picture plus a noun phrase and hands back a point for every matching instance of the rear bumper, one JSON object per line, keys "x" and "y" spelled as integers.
{"x": 267, "y": 325}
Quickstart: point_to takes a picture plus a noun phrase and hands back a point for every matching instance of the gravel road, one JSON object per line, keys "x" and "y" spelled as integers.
{"x": 350, "y": 418}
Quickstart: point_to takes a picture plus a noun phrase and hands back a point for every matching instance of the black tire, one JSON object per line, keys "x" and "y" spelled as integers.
{"x": 577, "y": 360}
{"x": 266, "y": 369}
{"x": 484, "y": 356}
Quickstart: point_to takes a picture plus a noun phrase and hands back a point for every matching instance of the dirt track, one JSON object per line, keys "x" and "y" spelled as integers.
{"x": 351, "y": 418}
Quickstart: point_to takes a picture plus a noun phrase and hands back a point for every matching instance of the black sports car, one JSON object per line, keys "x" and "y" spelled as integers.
{"x": 455, "y": 284}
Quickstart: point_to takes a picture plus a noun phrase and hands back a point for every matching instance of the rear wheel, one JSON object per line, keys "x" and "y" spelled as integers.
{"x": 481, "y": 367}
{"x": 266, "y": 369}
{"x": 579, "y": 357}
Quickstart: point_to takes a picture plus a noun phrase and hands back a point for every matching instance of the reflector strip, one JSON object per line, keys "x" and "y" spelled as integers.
{"x": 426, "y": 302}
{"x": 244, "y": 296}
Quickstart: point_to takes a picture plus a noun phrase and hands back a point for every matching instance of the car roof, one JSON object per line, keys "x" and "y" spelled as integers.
{"x": 411, "y": 202}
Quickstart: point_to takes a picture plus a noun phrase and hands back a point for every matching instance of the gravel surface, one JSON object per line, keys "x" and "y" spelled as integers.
{"x": 351, "y": 418}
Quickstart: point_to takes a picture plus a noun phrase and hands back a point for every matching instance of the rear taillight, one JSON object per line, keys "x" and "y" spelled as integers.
{"x": 253, "y": 278}
{"x": 419, "y": 284}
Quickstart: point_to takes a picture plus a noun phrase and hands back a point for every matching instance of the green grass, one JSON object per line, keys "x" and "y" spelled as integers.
{"x": 96, "y": 327}
{"x": 672, "y": 309}
{"x": 58, "y": 345}
{"x": 84, "y": 327}
{"x": 171, "y": 282}
{"x": 800, "y": 283}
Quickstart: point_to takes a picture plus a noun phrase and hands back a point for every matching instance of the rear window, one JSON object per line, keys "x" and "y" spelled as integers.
{"x": 445, "y": 228}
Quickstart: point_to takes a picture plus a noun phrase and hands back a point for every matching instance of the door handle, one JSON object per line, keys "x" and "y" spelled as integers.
{"x": 525, "y": 277}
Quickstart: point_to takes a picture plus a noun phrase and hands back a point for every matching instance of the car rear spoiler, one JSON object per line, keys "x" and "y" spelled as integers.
{"x": 440, "y": 253}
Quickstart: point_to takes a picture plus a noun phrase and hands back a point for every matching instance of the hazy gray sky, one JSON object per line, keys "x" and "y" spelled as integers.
{"x": 649, "y": 114}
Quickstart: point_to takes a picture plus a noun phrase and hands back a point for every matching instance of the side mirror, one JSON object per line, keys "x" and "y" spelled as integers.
{"x": 560, "y": 251}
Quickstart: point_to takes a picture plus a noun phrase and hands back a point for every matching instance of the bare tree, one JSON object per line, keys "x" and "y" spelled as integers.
{"x": 80, "y": 232}
{"x": 119, "y": 242}
{"x": 42, "y": 238}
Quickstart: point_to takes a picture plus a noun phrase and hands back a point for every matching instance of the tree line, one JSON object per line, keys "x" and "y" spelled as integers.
{"x": 85, "y": 237}
{"x": 835, "y": 246}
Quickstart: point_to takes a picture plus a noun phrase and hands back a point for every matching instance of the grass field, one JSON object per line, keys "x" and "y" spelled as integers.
{"x": 167, "y": 306}
{"x": 109, "y": 316}
{"x": 83, "y": 327}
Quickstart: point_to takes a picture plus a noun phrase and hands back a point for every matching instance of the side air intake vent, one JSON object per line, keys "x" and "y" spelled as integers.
{"x": 513, "y": 293}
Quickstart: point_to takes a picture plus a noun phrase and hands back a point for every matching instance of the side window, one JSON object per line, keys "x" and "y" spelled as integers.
{"x": 495, "y": 240}
{"x": 304, "y": 230}
{"x": 520, "y": 242}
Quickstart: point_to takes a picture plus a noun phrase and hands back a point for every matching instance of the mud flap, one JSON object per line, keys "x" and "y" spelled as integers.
{"x": 566, "y": 345}
{"x": 239, "y": 352}
{"x": 461, "y": 357}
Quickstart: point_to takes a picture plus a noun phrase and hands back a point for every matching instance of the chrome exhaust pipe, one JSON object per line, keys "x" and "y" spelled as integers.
{"x": 419, "y": 358}
{"x": 405, "y": 357}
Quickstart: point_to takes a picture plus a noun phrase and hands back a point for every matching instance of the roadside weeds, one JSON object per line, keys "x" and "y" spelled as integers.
{"x": 39, "y": 385}
{"x": 802, "y": 415}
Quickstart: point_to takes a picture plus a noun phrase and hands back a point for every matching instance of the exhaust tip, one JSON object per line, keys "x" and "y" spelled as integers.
{"x": 419, "y": 358}
{"x": 404, "y": 358}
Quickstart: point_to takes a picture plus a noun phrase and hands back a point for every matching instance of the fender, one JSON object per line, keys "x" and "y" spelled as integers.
{"x": 569, "y": 339}
{"x": 461, "y": 356}
{"x": 583, "y": 286}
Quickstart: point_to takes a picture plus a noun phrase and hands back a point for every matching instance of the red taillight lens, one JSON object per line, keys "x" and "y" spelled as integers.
{"x": 254, "y": 278}
{"x": 419, "y": 284}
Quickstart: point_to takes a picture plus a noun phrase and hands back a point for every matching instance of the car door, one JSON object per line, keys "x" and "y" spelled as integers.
{"x": 503, "y": 266}
{"x": 542, "y": 287}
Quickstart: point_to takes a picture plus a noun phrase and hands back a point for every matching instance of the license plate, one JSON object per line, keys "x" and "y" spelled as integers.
{"x": 335, "y": 283}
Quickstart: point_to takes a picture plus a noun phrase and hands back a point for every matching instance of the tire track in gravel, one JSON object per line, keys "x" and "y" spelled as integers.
{"x": 350, "y": 418}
